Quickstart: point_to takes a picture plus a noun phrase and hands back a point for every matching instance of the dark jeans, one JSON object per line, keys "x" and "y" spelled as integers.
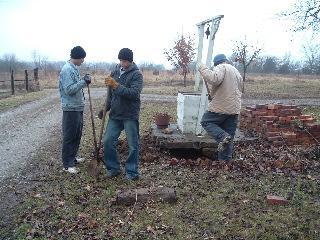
{"x": 72, "y": 123}
{"x": 219, "y": 125}
{"x": 113, "y": 130}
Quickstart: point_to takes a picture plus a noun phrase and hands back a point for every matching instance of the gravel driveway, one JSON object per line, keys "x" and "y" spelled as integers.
{"x": 23, "y": 130}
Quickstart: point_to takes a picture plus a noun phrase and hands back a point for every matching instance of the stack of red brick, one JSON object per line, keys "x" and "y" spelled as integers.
{"x": 281, "y": 124}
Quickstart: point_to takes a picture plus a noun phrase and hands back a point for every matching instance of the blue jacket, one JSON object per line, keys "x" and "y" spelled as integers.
{"x": 124, "y": 101}
{"x": 71, "y": 88}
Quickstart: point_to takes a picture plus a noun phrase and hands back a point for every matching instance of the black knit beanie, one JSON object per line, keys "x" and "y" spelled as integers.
{"x": 77, "y": 53}
{"x": 125, "y": 54}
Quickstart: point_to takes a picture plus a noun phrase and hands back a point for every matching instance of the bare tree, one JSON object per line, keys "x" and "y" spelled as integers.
{"x": 36, "y": 59}
{"x": 257, "y": 65}
{"x": 270, "y": 65}
{"x": 40, "y": 61}
{"x": 285, "y": 65}
{"x": 10, "y": 61}
{"x": 312, "y": 55}
{"x": 182, "y": 54}
{"x": 305, "y": 15}
{"x": 150, "y": 66}
{"x": 245, "y": 53}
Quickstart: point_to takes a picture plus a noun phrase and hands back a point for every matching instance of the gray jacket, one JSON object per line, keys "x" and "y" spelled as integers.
{"x": 71, "y": 88}
{"x": 124, "y": 101}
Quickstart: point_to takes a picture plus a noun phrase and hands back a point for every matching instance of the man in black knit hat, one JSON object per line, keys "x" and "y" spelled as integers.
{"x": 124, "y": 104}
{"x": 72, "y": 102}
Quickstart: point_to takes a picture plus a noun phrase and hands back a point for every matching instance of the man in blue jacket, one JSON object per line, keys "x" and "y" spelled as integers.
{"x": 72, "y": 102}
{"x": 124, "y": 104}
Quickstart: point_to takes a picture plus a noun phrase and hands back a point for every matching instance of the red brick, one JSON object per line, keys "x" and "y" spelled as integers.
{"x": 288, "y": 106}
{"x": 289, "y": 135}
{"x": 261, "y": 106}
{"x": 278, "y": 143}
{"x": 308, "y": 120}
{"x": 292, "y": 143}
{"x": 313, "y": 126}
{"x": 276, "y": 200}
{"x": 289, "y": 112}
{"x": 271, "y": 113}
{"x": 285, "y": 120}
{"x": 273, "y": 106}
{"x": 269, "y": 118}
{"x": 247, "y": 112}
{"x": 304, "y": 139}
{"x": 272, "y": 134}
{"x": 276, "y": 138}
{"x": 252, "y": 108}
{"x": 259, "y": 113}
{"x": 271, "y": 129}
{"x": 284, "y": 128}
{"x": 298, "y": 112}
{"x": 305, "y": 116}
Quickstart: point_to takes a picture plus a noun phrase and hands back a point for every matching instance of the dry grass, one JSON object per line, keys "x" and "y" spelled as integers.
{"x": 170, "y": 83}
{"x": 14, "y": 101}
{"x": 260, "y": 86}
{"x": 282, "y": 86}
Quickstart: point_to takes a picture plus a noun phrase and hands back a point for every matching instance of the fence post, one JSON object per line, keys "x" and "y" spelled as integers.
{"x": 27, "y": 80}
{"x": 36, "y": 78}
{"x": 12, "y": 83}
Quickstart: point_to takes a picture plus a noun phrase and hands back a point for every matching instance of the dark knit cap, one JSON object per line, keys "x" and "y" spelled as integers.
{"x": 125, "y": 54}
{"x": 77, "y": 53}
{"x": 220, "y": 58}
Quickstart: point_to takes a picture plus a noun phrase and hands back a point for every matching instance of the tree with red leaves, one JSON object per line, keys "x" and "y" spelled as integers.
{"x": 181, "y": 54}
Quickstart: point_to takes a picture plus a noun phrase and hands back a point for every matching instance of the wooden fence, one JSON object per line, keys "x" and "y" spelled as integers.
{"x": 14, "y": 81}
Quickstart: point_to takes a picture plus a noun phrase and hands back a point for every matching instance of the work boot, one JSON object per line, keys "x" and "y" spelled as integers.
{"x": 223, "y": 143}
{"x": 79, "y": 160}
{"x": 72, "y": 170}
{"x": 132, "y": 178}
{"x": 111, "y": 174}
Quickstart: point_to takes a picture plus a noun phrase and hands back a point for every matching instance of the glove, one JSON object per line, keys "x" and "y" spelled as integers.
{"x": 109, "y": 81}
{"x": 87, "y": 78}
{"x": 100, "y": 114}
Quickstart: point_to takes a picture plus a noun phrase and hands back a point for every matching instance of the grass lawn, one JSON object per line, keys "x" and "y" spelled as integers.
{"x": 16, "y": 100}
{"x": 215, "y": 203}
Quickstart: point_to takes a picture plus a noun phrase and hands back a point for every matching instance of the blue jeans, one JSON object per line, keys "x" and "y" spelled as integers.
{"x": 110, "y": 141}
{"x": 218, "y": 126}
{"x": 72, "y": 124}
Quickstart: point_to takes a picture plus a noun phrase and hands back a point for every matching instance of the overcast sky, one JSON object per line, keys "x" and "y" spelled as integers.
{"x": 102, "y": 28}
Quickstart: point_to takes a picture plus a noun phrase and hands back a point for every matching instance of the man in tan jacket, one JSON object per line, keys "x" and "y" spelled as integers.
{"x": 225, "y": 87}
